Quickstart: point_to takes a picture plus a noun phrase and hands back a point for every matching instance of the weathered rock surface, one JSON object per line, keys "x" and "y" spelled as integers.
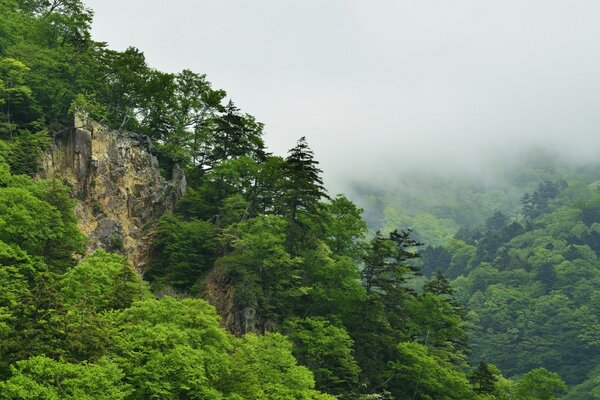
{"x": 118, "y": 186}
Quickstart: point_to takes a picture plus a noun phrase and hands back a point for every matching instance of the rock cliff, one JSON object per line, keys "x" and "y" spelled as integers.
{"x": 117, "y": 182}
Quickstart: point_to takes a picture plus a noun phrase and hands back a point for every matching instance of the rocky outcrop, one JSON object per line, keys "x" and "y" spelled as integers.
{"x": 117, "y": 182}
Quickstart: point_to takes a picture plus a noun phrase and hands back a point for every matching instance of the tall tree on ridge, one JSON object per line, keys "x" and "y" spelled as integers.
{"x": 302, "y": 193}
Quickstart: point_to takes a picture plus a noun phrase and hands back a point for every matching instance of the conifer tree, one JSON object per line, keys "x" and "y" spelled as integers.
{"x": 301, "y": 194}
{"x": 483, "y": 379}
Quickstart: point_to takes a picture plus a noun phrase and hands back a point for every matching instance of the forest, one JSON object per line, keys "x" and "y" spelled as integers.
{"x": 261, "y": 284}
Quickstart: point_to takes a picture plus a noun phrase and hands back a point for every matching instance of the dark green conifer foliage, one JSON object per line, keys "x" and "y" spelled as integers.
{"x": 258, "y": 236}
{"x": 483, "y": 379}
{"x": 301, "y": 193}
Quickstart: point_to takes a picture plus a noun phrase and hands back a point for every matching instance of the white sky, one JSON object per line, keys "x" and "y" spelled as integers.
{"x": 381, "y": 84}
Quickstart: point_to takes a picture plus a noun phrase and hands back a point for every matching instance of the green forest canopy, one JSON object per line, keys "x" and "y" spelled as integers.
{"x": 306, "y": 304}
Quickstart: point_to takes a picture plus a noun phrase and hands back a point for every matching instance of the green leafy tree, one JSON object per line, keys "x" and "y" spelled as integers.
{"x": 264, "y": 275}
{"x": 15, "y": 95}
{"x": 264, "y": 368}
{"x": 171, "y": 349}
{"x": 183, "y": 253}
{"x": 483, "y": 379}
{"x": 539, "y": 384}
{"x": 384, "y": 315}
{"x": 233, "y": 135}
{"x": 301, "y": 195}
{"x": 419, "y": 374}
{"x": 327, "y": 351}
{"x": 345, "y": 228}
{"x": 102, "y": 281}
{"x": 43, "y": 378}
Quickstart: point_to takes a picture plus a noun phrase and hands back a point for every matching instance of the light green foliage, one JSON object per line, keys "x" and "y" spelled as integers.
{"x": 331, "y": 286}
{"x": 173, "y": 349}
{"x": 264, "y": 368}
{"x": 326, "y": 350}
{"x": 17, "y": 270}
{"x": 102, "y": 281}
{"x": 265, "y": 274}
{"x": 169, "y": 349}
{"x": 26, "y": 220}
{"x": 88, "y": 107}
{"x": 38, "y": 218}
{"x": 539, "y": 384}
{"x": 436, "y": 323}
{"x": 14, "y": 93}
{"x": 418, "y": 371}
{"x": 345, "y": 228}
{"x": 43, "y": 378}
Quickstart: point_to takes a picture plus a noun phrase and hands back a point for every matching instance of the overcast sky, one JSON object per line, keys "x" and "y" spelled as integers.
{"x": 377, "y": 85}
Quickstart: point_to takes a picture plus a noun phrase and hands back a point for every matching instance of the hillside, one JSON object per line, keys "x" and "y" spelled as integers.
{"x": 524, "y": 261}
{"x": 256, "y": 283}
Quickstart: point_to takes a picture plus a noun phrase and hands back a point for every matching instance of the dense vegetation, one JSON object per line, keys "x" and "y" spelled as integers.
{"x": 527, "y": 273}
{"x": 306, "y": 304}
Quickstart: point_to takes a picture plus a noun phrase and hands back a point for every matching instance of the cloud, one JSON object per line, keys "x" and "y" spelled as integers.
{"x": 383, "y": 86}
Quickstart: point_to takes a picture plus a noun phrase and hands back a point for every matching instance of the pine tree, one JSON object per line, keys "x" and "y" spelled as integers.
{"x": 483, "y": 379}
{"x": 236, "y": 135}
{"x": 301, "y": 194}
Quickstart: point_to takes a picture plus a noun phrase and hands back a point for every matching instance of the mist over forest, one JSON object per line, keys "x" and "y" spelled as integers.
{"x": 390, "y": 201}
{"x": 390, "y": 86}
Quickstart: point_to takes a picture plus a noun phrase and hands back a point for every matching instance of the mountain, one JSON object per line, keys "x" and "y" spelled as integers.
{"x": 525, "y": 268}
{"x": 164, "y": 252}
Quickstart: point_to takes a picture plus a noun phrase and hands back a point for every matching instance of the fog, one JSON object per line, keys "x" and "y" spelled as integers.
{"x": 385, "y": 86}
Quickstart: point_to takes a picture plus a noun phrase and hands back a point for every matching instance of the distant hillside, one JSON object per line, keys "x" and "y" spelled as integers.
{"x": 524, "y": 256}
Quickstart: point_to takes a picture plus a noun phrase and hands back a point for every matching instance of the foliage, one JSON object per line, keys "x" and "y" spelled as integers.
{"x": 258, "y": 236}
{"x": 43, "y": 378}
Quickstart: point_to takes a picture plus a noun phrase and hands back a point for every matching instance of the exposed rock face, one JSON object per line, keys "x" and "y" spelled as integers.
{"x": 117, "y": 182}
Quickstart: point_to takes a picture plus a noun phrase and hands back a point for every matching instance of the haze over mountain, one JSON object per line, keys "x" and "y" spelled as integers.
{"x": 153, "y": 244}
{"x": 388, "y": 83}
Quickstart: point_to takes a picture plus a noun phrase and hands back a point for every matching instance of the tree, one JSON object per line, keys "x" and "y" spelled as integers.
{"x": 386, "y": 270}
{"x": 483, "y": 379}
{"x": 264, "y": 368}
{"x": 419, "y": 374}
{"x": 171, "y": 349}
{"x": 327, "y": 351}
{"x": 232, "y": 135}
{"x": 301, "y": 194}
{"x": 345, "y": 228}
{"x": 264, "y": 276}
{"x": 383, "y": 319}
{"x": 101, "y": 282}
{"x": 496, "y": 222}
{"x": 539, "y": 384}
{"x": 435, "y": 259}
{"x": 15, "y": 95}
{"x": 36, "y": 226}
{"x": 43, "y": 378}
{"x": 183, "y": 253}
{"x": 439, "y": 321}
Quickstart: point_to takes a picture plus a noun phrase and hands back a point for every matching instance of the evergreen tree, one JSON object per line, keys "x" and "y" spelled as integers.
{"x": 301, "y": 194}
{"x": 483, "y": 379}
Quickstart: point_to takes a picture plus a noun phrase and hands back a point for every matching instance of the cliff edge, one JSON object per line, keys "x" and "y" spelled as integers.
{"x": 118, "y": 186}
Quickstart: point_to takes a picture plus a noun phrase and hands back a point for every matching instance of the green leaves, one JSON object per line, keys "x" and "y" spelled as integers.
{"x": 101, "y": 282}
{"x": 14, "y": 93}
{"x": 266, "y": 369}
{"x": 326, "y": 350}
{"x": 419, "y": 373}
{"x": 183, "y": 253}
{"x": 169, "y": 348}
{"x": 43, "y": 378}
{"x": 539, "y": 384}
